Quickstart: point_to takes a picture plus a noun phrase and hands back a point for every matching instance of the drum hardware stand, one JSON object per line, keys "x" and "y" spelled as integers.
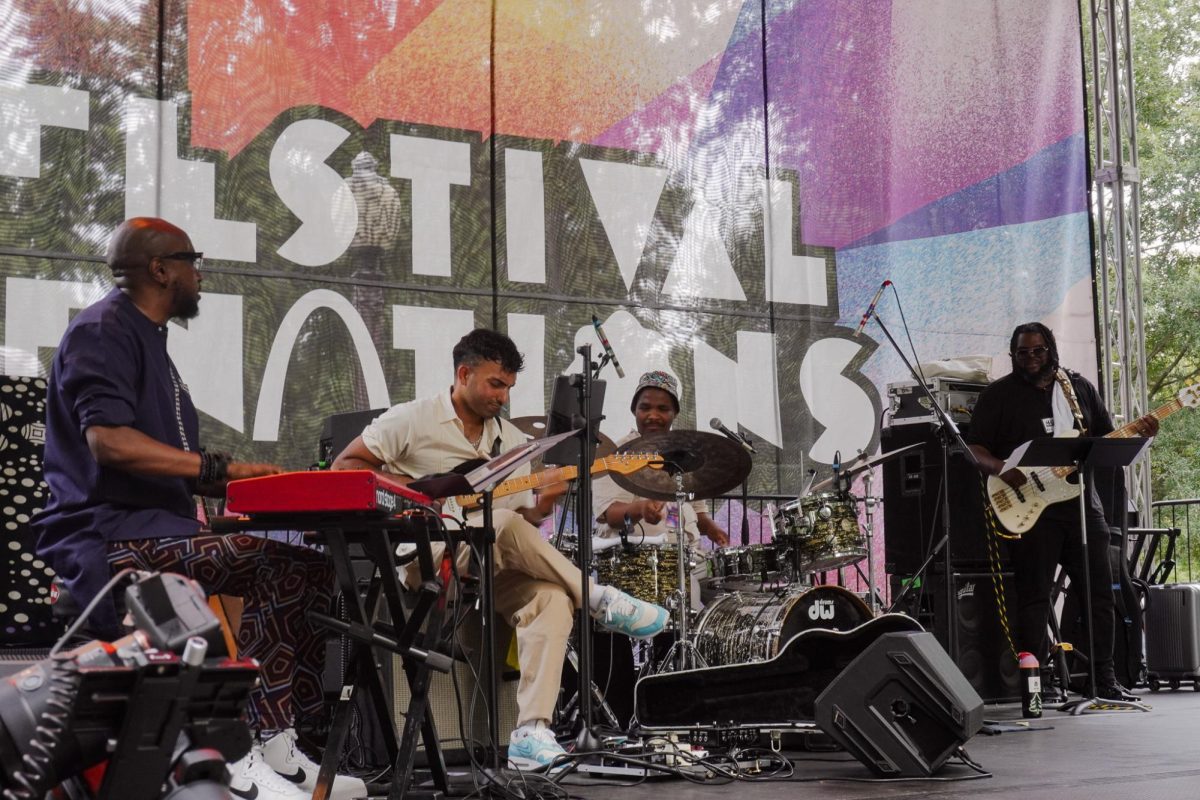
{"x": 568, "y": 498}
{"x": 597, "y": 696}
{"x": 812, "y": 477}
{"x": 745, "y": 513}
{"x": 683, "y": 649}
{"x": 869, "y": 510}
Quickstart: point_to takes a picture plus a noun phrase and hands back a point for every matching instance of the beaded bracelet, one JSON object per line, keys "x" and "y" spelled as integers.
{"x": 214, "y": 467}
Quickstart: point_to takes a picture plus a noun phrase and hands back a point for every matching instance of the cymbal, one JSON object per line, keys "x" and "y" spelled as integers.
{"x": 711, "y": 465}
{"x": 862, "y": 465}
{"x": 535, "y": 428}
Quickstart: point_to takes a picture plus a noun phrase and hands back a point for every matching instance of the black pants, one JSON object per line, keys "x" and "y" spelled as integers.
{"x": 1052, "y": 541}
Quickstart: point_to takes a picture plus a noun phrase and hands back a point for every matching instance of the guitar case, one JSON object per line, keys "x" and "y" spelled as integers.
{"x": 780, "y": 691}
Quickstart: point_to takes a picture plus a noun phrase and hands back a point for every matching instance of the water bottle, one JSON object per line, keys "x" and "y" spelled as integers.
{"x": 1031, "y": 685}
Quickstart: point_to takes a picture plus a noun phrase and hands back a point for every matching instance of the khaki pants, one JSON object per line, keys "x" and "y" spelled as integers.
{"x": 537, "y": 590}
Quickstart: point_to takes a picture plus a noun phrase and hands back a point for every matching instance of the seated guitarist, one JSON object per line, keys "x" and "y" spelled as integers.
{"x": 537, "y": 589}
{"x": 1040, "y": 399}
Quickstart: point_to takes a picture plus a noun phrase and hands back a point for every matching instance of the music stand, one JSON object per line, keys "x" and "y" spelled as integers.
{"x": 1080, "y": 452}
{"x": 565, "y": 414}
{"x": 483, "y": 479}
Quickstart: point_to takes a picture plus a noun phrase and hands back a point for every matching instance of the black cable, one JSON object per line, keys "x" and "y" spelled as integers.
{"x": 908, "y": 335}
{"x": 78, "y": 623}
{"x": 53, "y": 726}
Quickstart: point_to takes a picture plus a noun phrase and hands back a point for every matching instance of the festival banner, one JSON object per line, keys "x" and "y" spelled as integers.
{"x": 725, "y": 185}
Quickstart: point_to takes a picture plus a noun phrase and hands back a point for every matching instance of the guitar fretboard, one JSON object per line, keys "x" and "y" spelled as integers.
{"x": 1128, "y": 431}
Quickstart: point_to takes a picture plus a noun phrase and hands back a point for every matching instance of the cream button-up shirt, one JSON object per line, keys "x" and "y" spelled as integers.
{"x": 425, "y": 437}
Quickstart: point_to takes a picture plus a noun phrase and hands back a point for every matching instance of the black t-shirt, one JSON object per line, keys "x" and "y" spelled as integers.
{"x": 1012, "y": 411}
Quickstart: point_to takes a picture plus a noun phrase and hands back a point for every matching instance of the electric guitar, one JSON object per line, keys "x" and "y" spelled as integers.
{"x": 624, "y": 463}
{"x": 1018, "y": 509}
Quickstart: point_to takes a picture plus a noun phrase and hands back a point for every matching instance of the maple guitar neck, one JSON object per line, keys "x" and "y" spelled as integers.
{"x": 550, "y": 476}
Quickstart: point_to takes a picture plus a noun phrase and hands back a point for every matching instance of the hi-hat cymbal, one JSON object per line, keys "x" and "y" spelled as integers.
{"x": 711, "y": 465}
{"x": 861, "y": 465}
{"x": 535, "y": 428}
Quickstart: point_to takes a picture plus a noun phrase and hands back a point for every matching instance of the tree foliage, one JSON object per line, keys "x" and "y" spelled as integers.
{"x": 1166, "y": 69}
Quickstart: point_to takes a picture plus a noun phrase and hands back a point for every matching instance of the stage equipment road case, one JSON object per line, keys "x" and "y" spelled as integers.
{"x": 908, "y": 405}
{"x": 1173, "y": 635}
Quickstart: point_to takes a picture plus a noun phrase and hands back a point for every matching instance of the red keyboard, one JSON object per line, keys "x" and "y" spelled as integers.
{"x": 326, "y": 492}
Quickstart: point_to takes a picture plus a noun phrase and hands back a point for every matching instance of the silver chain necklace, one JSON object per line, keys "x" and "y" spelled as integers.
{"x": 177, "y": 385}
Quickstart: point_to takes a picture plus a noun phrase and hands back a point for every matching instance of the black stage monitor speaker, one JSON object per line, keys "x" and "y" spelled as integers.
{"x": 901, "y": 707}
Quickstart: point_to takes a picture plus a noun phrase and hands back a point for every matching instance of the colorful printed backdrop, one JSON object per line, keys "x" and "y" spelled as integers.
{"x": 724, "y": 184}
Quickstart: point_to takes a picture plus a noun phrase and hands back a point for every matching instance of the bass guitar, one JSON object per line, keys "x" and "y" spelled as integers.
{"x": 1018, "y": 509}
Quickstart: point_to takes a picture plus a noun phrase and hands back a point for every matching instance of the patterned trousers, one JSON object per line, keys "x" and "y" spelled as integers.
{"x": 278, "y": 583}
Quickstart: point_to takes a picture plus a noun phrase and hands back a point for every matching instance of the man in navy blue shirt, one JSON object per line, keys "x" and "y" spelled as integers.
{"x": 123, "y": 462}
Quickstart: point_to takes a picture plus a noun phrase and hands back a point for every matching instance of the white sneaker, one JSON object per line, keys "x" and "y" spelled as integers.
{"x": 252, "y": 779}
{"x": 283, "y": 755}
{"x": 534, "y": 748}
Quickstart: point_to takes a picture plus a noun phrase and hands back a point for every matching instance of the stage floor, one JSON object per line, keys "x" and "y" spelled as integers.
{"x": 1097, "y": 756}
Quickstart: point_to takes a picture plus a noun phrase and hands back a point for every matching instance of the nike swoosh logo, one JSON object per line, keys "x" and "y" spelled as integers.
{"x": 298, "y": 778}
{"x": 248, "y": 794}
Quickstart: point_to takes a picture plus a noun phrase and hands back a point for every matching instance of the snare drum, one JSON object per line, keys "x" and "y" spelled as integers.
{"x": 753, "y": 626}
{"x": 649, "y": 573}
{"x": 823, "y": 531}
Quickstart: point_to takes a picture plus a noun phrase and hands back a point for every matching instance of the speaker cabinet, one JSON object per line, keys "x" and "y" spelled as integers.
{"x": 902, "y": 707}
{"x": 460, "y": 714}
{"x": 980, "y": 648}
{"x": 912, "y": 509}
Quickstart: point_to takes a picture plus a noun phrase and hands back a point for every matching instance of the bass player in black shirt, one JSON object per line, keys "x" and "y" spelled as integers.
{"x": 1040, "y": 399}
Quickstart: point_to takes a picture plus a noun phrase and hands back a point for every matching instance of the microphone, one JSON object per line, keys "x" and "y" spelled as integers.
{"x": 862, "y": 323}
{"x": 717, "y": 425}
{"x": 608, "y": 351}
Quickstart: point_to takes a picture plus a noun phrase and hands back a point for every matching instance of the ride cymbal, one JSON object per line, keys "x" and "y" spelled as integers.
{"x": 711, "y": 465}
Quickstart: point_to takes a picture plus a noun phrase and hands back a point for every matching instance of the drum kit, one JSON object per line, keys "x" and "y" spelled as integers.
{"x": 758, "y": 595}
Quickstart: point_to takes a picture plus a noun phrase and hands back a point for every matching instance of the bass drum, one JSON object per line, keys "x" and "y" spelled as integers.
{"x": 742, "y": 627}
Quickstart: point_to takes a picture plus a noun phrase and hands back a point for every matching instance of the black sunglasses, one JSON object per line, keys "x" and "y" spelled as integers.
{"x": 195, "y": 258}
{"x": 1027, "y": 352}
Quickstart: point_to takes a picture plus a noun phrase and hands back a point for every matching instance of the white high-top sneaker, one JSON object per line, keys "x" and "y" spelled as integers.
{"x": 252, "y": 779}
{"x": 283, "y": 755}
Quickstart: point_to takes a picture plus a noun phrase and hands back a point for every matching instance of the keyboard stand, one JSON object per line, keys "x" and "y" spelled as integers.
{"x": 377, "y": 538}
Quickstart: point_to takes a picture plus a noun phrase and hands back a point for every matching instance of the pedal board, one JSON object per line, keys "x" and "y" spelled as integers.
{"x": 618, "y": 768}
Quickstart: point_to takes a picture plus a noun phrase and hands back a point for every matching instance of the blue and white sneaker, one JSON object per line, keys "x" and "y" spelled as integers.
{"x": 533, "y": 748}
{"x": 622, "y": 613}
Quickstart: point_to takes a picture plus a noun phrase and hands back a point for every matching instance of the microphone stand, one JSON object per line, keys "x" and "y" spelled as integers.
{"x": 948, "y": 431}
{"x": 745, "y": 512}
{"x": 587, "y": 741}
{"x": 744, "y": 441}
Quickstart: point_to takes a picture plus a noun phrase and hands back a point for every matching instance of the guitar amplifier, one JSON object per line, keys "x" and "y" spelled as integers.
{"x": 459, "y": 699}
{"x": 909, "y": 405}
